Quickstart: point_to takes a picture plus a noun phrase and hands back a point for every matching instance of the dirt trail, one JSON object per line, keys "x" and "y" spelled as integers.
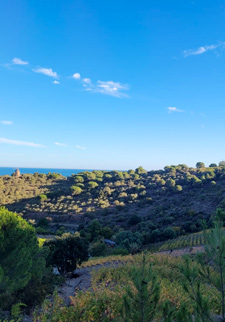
{"x": 83, "y": 281}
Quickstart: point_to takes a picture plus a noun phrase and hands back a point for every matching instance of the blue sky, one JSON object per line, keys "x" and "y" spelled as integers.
{"x": 111, "y": 84}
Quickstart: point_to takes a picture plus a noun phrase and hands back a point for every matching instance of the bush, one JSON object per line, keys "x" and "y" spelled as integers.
{"x": 169, "y": 233}
{"x": 66, "y": 252}
{"x": 134, "y": 220}
{"x": 43, "y": 197}
{"x": 98, "y": 249}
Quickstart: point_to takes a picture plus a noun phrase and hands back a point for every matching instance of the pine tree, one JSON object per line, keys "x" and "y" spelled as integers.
{"x": 192, "y": 286}
{"x": 19, "y": 255}
{"x": 212, "y": 262}
{"x": 142, "y": 296}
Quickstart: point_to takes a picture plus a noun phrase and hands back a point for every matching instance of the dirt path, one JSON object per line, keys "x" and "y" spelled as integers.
{"x": 83, "y": 281}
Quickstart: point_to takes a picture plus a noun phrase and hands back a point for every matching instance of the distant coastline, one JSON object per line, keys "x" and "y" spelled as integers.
{"x": 65, "y": 172}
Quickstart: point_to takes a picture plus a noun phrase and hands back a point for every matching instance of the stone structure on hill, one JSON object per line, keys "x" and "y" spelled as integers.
{"x": 16, "y": 173}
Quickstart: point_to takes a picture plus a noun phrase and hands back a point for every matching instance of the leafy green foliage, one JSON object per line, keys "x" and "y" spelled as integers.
{"x": 98, "y": 249}
{"x": 212, "y": 263}
{"x": 192, "y": 286}
{"x": 152, "y": 203}
{"x": 200, "y": 165}
{"x": 19, "y": 255}
{"x": 141, "y": 298}
{"x": 76, "y": 190}
{"x": 43, "y": 197}
{"x": 66, "y": 252}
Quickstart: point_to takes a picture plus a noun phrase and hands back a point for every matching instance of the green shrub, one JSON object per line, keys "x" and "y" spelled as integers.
{"x": 43, "y": 197}
{"x": 98, "y": 249}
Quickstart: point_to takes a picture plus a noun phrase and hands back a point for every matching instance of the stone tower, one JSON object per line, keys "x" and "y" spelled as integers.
{"x": 17, "y": 173}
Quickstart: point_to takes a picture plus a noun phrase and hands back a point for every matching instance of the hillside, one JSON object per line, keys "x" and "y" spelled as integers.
{"x": 159, "y": 204}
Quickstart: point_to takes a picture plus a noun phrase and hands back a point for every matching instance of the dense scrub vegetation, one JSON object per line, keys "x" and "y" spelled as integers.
{"x": 158, "y": 205}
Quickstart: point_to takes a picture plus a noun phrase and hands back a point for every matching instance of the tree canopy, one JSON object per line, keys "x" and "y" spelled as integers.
{"x": 19, "y": 251}
{"x": 67, "y": 252}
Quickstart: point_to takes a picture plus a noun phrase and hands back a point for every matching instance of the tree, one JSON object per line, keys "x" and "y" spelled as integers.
{"x": 200, "y": 165}
{"x": 19, "y": 255}
{"x": 141, "y": 300}
{"x": 169, "y": 233}
{"x": 222, "y": 164}
{"x": 128, "y": 239}
{"x": 107, "y": 232}
{"x": 192, "y": 286}
{"x": 213, "y": 165}
{"x": 76, "y": 190}
{"x": 212, "y": 264}
{"x": 92, "y": 184}
{"x": 67, "y": 252}
{"x": 134, "y": 220}
{"x": 209, "y": 269}
{"x": 78, "y": 179}
{"x": 140, "y": 170}
{"x": 94, "y": 230}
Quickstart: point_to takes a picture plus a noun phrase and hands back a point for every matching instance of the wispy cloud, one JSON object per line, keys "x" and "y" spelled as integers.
{"x": 202, "y": 49}
{"x": 18, "y": 61}
{"x": 56, "y": 82}
{"x": 6, "y": 122}
{"x": 76, "y": 76}
{"x": 105, "y": 87}
{"x": 87, "y": 80}
{"x": 45, "y": 71}
{"x": 112, "y": 88}
{"x": 80, "y": 147}
{"x": 16, "y": 142}
{"x": 174, "y": 109}
{"x": 60, "y": 144}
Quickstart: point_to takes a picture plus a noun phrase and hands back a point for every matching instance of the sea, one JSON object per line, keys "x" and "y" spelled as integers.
{"x": 64, "y": 172}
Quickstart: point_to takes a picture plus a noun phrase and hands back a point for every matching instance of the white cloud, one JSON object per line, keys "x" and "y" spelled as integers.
{"x": 18, "y": 61}
{"x": 76, "y": 76}
{"x": 46, "y": 71}
{"x": 202, "y": 49}
{"x": 111, "y": 88}
{"x": 6, "y": 122}
{"x": 56, "y": 82}
{"x": 106, "y": 87}
{"x": 174, "y": 109}
{"x": 80, "y": 147}
{"x": 60, "y": 144}
{"x": 15, "y": 142}
{"x": 87, "y": 80}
